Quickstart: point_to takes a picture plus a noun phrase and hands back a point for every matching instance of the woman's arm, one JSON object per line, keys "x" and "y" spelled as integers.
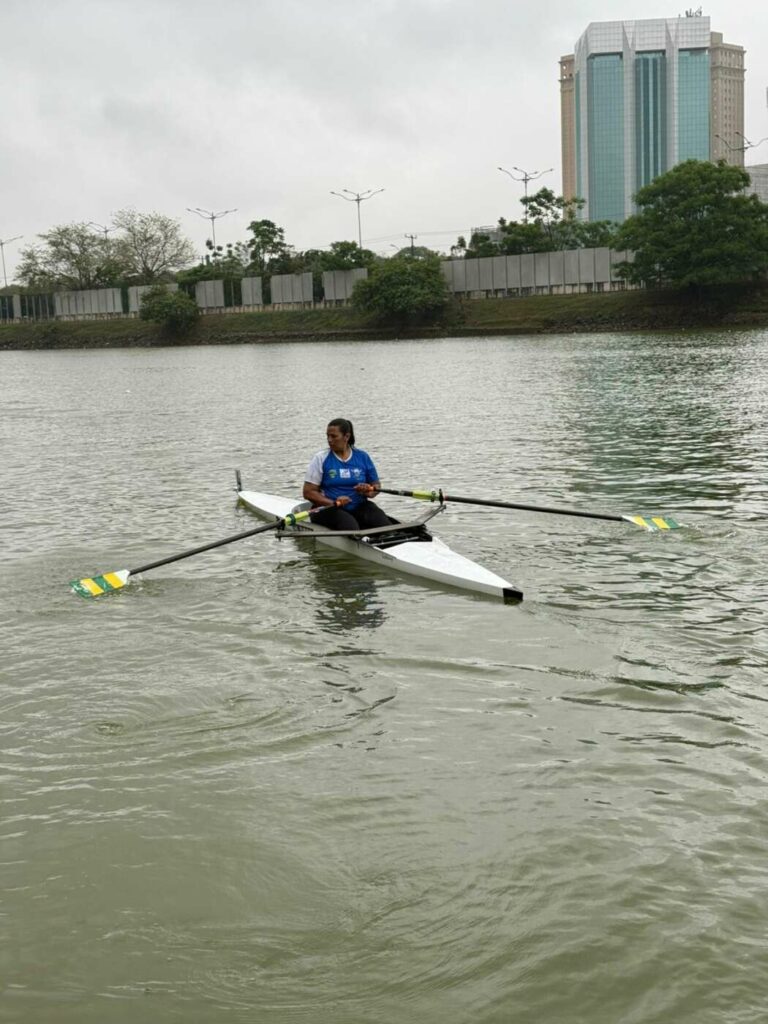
{"x": 313, "y": 494}
{"x": 369, "y": 490}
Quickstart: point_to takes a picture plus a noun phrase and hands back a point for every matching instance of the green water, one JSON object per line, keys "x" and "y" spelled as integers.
{"x": 270, "y": 784}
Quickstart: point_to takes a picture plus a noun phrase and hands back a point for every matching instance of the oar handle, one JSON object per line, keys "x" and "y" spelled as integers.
{"x": 439, "y": 496}
{"x": 289, "y": 520}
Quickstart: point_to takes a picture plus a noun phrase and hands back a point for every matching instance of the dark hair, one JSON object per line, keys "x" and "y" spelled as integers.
{"x": 345, "y": 426}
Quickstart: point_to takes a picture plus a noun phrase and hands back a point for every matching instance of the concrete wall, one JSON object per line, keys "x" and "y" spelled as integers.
{"x": 338, "y": 284}
{"x": 94, "y": 302}
{"x": 137, "y": 291}
{"x": 291, "y": 289}
{"x": 252, "y": 291}
{"x": 553, "y": 273}
{"x": 209, "y": 294}
{"x": 536, "y": 273}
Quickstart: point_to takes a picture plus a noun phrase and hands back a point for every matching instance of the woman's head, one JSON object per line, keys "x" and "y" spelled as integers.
{"x": 338, "y": 430}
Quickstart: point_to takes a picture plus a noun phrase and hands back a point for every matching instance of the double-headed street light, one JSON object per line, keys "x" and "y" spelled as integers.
{"x": 101, "y": 227}
{"x": 525, "y": 177}
{"x": 3, "y": 243}
{"x": 212, "y": 217}
{"x": 746, "y": 144}
{"x": 357, "y": 197}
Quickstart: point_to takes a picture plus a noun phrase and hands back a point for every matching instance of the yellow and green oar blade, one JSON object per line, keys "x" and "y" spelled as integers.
{"x": 652, "y": 523}
{"x": 95, "y": 586}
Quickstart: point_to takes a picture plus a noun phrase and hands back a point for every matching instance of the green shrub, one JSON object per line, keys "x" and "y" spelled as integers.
{"x": 403, "y": 291}
{"x": 176, "y": 312}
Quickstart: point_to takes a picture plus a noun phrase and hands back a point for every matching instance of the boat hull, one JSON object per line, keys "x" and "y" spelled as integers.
{"x": 428, "y": 558}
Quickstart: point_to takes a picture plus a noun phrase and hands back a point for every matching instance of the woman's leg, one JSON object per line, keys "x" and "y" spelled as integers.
{"x": 368, "y": 515}
{"x": 336, "y": 519}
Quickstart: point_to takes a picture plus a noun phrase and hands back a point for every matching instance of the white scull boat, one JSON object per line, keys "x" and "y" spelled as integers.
{"x": 408, "y": 547}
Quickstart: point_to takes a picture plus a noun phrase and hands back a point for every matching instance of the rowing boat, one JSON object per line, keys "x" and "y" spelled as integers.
{"x": 408, "y": 547}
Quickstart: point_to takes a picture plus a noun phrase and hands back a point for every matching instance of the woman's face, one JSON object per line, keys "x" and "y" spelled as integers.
{"x": 337, "y": 441}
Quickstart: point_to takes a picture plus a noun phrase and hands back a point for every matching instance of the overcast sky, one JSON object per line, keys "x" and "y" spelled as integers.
{"x": 268, "y": 105}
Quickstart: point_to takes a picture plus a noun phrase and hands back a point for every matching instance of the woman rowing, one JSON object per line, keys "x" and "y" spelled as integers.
{"x": 341, "y": 480}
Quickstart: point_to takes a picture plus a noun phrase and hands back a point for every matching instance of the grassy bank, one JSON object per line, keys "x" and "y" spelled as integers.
{"x": 617, "y": 311}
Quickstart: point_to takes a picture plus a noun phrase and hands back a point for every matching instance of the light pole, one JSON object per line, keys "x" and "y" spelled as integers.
{"x": 3, "y": 243}
{"x": 750, "y": 145}
{"x": 413, "y": 239}
{"x": 212, "y": 217}
{"x": 101, "y": 227}
{"x": 358, "y": 197}
{"x": 746, "y": 143}
{"x": 525, "y": 177}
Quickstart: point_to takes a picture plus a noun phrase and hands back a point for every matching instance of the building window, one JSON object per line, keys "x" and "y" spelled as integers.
{"x": 693, "y": 102}
{"x": 605, "y": 104}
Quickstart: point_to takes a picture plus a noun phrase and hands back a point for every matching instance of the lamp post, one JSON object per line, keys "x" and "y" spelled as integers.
{"x": 746, "y": 144}
{"x": 101, "y": 227}
{"x": 358, "y": 197}
{"x": 525, "y": 177}
{"x": 3, "y": 243}
{"x": 212, "y": 217}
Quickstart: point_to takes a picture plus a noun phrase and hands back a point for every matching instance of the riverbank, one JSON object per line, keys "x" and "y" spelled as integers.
{"x": 542, "y": 314}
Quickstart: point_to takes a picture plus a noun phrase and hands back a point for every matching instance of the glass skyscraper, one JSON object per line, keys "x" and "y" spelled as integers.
{"x": 638, "y": 97}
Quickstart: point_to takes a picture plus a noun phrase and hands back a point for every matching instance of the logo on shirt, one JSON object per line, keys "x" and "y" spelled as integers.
{"x": 345, "y": 474}
{"x": 332, "y": 474}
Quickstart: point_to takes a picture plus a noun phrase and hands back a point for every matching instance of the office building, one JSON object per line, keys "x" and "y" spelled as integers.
{"x": 639, "y": 97}
{"x": 758, "y": 177}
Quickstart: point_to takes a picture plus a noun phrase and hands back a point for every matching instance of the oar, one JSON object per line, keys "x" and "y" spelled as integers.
{"x": 647, "y": 522}
{"x": 94, "y": 586}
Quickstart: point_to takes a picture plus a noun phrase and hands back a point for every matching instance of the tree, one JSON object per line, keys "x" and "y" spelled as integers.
{"x": 71, "y": 256}
{"x": 696, "y": 226}
{"x": 152, "y": 245}
{"x": 268, "y": 249}
{"x": 222, "y": 263}
{"x": 403, "y": 291}
{"x": 343, "y": 256}
{"x": 551, "y": 223}
{"x": 176, "y": 312}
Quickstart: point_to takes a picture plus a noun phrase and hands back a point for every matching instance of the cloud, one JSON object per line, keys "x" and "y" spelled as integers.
{"x": 266, "y": 106}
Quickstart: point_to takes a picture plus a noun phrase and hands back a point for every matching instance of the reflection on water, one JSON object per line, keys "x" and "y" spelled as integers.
{"x": 346, "y": 594}
{"x": 657, "y": 419}
{"x": 344, "y": 591}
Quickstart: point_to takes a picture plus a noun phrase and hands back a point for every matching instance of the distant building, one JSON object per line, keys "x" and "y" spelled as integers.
{"x": 639, "y": 97}
{"x": 494, "y": 232}
{"x": 758, "y": 175}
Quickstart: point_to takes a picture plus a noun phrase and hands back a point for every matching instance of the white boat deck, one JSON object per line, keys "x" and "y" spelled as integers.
{"x": 429, "y": 559}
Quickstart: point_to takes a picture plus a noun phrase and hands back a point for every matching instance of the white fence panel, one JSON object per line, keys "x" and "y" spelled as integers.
{"x": 210, "y": 294}
{"x": 252, "y": 291}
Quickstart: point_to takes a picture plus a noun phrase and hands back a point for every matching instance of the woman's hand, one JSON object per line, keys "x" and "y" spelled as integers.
{"x": 341, "y": 502}
{"x": 369, "y": 490}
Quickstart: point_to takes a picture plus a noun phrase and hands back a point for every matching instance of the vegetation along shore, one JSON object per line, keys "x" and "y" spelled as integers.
{"x": 732, "y": 306}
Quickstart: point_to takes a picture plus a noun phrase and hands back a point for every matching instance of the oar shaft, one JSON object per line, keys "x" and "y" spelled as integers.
{"x": 436, "y": 495}
{"x": 206, "y": 547}
{"x": 290, "y": 520}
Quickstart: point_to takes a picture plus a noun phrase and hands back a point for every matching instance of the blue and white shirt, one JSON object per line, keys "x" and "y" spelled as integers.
{"x": 337, "y": 478}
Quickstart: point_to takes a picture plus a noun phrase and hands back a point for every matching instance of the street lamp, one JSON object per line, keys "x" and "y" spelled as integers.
{"x": 3, "y": 243}
{"x": 101, "y": 227}
{"x": 525, "y": 177}
{"x": 750, "y": 145}
{"x": 358, "y": 197}
{"x": 746, "y": 145}
{"x": 212, "y": 217}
